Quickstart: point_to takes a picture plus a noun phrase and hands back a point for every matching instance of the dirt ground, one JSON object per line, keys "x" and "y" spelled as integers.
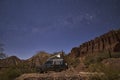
{"x": 51, "y": 75}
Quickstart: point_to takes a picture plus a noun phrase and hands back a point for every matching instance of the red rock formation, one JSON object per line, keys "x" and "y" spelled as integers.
{"x": 108, "y": 42}
{"x": 10, "y": 61}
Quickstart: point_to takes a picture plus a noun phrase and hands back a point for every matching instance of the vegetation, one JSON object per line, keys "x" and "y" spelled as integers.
{"x": 12, "y": 72}
{"x": 9, "y": 73}
{"x": 2, "y": 54}
{"x": 95, "y": 63}
{"x": 72, "y": 61}
{"x": 96, "y": 58}
{"x": 109, "y": 73}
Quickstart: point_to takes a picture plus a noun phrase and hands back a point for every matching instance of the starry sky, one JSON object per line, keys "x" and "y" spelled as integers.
{"x": 29, "y": 26}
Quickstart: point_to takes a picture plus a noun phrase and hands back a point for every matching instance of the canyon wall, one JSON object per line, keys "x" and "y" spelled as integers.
{"x": 107, "y": 42}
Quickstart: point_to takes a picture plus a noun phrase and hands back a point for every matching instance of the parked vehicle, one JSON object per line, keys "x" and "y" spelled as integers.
{"x": 56, "y": 63}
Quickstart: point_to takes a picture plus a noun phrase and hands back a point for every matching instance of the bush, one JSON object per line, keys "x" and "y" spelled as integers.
{"x": 115, "y": 54}
{"x": 14, "y": 71}
{"x": 110, "y": 72}
{"x": 93, "y": 63}
{"x": 9, "y": 74}
{"x": 96, "y": 58}
{"x": 25, "y": 68}
{"x": 72, "y": 61}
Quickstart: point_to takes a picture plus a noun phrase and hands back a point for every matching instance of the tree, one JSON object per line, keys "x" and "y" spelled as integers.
{"x": 2, "y": 54}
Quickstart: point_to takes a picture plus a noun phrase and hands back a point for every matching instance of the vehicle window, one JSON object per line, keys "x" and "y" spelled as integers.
{"x": 48, "y": 62}
{"x": 58, "y": 62}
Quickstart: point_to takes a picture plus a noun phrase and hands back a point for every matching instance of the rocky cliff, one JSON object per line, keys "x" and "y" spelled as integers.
{"x": 38, "y": 59}
{"x": 109, "y": 42}
{"x": 32, "y": 62}
{"x": 10, "y": 61}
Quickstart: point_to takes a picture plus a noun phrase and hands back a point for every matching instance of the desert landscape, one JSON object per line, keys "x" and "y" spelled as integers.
{"x": 97, "y": 59}
{"x": 59, "y": 39}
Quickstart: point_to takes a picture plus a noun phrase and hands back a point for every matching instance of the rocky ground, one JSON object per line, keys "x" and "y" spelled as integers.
{"x": 58, "y": 76}
{"x": 64, "y": 75}
{"x": 50, "y": 76}
{"x": 70, "y": 74}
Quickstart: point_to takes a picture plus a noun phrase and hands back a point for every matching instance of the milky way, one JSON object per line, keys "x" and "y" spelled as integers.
{"x": 29, "y": 26}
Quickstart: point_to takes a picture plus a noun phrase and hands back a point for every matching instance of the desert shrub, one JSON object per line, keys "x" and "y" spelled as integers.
{"x": 91, "y": 59}
{"x": 9, "y": 74}
{"x": 96, "y": 77}
{"x": 110, "y": 72}
{"x": 14, "y": 71}
{"x": 93, "y": 63}
{"x": 25, "y": 68}
{"x": 94, "y": 67}
{"x": 72, "y": 61}
{"x": 115, "y": 54}
{"x": 96, "y": 58}
{"x": 75, "y": 62}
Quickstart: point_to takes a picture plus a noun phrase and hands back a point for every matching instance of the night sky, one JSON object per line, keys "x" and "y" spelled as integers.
{"x": 29, "y": 26}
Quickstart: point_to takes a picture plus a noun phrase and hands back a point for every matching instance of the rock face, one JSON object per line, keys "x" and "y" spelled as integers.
{"x": 10, "y": 61}
{"x": 34, "y": 61}
{"x": 107, "y": 42}
{"x": 38, "y": 59}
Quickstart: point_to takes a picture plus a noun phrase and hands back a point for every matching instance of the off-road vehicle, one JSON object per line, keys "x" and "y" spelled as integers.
{"x": 53, "y": 64}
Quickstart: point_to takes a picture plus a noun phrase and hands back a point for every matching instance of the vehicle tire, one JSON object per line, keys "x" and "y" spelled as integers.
{"x": 45, "y": 71}
{"x": 57, "y": 70}
{"x": 41, "y": 71}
